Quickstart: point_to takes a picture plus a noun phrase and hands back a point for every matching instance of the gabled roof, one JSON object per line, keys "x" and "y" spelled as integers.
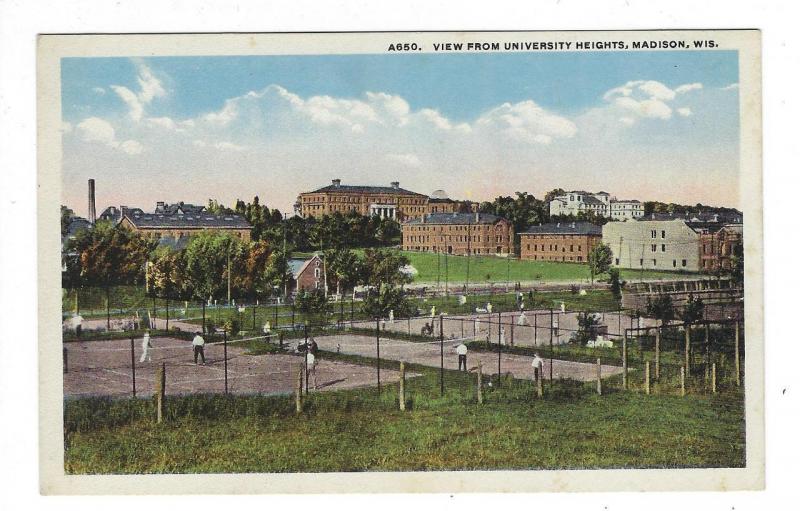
{"x": 584, "y": 228}
{"x": 456, "y": 219}
{"x": 201, "y": 221}
{"x": 298, "y": 266}
{"x": 179, "y": 207}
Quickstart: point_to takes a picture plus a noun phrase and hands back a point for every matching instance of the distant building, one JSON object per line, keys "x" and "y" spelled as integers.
{"x": 178, "y": 226}
{"x": 600, "y": 203}
{"x": 565, "y": 241}
{"x": 307, "y": 274}
{"x": 693, "y": 242}
{"x": 458, "y": 233}
{"x": 114, "y": 214}
{"x": 384, "y": 201}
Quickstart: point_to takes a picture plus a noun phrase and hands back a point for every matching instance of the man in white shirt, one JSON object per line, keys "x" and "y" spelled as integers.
{"x": 461, "y": 350}
{"x": 198, "y": 342}
{"x": 538, "y": 363}
{"x": 146, "y": 349}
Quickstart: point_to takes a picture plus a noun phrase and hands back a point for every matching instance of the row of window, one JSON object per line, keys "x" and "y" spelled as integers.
{"x": 655, "y": 262}
{"x": 462, "y": 239}
{"x": 554, "y": 247}
{"x": 578, "y": 259}
{"x": 477, "y": 251}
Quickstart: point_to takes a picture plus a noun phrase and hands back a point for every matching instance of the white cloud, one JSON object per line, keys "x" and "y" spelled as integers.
{"x": 229, "y": 146}
{"x": 99, "y": 90}
{"x": 526, "y": 122}
{"x": 682, "y": 89}
{"x": 626, "y": 121}
{"x": 149, "y": 88}
{"x": 732, "y": 86}
{"x": 407, "y": 159}
{"x": 94, "y": 129}
{"x": 162, "y": 122}
{"x": 131, "y": 147}
{"x": 684, "y": 112}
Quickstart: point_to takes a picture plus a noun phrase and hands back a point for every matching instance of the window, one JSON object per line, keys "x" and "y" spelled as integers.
{"x": 663, "y": 234}
{"x": 683, "y": 263}
{"x": 654, "y": 262}
{"x": 617, "y": 260}
{"x": 653, "y": 233}
{"x": 653, "y": 248}
{"x": 641, "y": 262}
{"x": 674, "y": 263}
{"x": 663, "y": 248}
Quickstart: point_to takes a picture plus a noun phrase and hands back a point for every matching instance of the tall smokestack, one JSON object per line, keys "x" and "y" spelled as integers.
{"x": 92, "y": 215}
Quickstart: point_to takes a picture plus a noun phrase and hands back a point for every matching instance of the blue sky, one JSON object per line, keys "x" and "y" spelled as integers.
{"x": 525, "y": 120}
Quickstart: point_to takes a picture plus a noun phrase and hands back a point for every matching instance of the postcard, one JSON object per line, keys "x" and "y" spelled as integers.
{"x": 400, "y": 262}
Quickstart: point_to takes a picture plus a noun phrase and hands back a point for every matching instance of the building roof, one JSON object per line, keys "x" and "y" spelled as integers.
{"x": 177, "y": 208}
{"x": 201, "y": 221}
{"x": 583, "y": 228}
{"x": 591, "y": 200}
{"x": 633, "y": 201}
{"x": 298, "y": 266}
{"x": 456, "y": 219}
{"x": 725, "y": 217}
{"x": 77, "y": 224}
{"x": 113, "y": 213}
{"x": 392, "y": 190}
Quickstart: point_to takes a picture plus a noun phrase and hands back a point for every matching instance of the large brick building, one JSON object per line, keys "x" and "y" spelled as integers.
{"x": 717, "y": 249}
{"x": 384, "y": 201}
{"x": 180, "y": 226}
{"x": 458, "y": 233}
{"x": 565, "y": 242}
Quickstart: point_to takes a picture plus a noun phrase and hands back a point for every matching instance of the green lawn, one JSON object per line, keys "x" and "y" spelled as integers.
{"x": 485, "y": 269}
{"x": 360, "y": 430}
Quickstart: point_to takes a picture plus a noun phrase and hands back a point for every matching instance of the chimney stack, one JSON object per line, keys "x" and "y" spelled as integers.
{"x": 92, "y": 213}
{"x": 395, "y": 184}
{"x": 336, "y": 182}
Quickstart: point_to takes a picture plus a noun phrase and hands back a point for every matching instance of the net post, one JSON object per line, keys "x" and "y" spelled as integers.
{"x": 378, "y": 349}
{"x": 161, "y": 383}
{"x": 480, "y": 383}
{"x": 225, "y": 356}
{"x": 683, "y": 381}
{"x": 625, "y": 360}
{"x": 599, "y": 379}
{"x": 298, "y": 391}
{"x": 402, "y": 389}
{"x": 658, "y": 353}
{"x": 441, "y": 354}
{"x": 713, "y": 377}
{"x": 133, "y": 367}
{"x": 647, "y": 377}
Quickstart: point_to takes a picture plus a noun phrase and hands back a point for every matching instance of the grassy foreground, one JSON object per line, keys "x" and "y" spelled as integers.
{"x": 486, "y": 269}
{"x": 360, "y": 430}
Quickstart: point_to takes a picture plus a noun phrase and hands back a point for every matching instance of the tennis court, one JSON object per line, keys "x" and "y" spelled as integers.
{"x": 106, "y": 368}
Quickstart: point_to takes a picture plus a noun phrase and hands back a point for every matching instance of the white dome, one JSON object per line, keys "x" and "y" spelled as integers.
{"x": 439, "y": 194}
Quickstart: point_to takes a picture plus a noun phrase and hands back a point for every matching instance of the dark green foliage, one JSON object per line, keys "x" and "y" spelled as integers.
{"x": 314, "y": 301}
{"x": 660, "y": 308}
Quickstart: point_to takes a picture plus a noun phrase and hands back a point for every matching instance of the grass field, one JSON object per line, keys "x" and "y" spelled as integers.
{"x": 361, "y": 430}
{"x": 496, "y": 269}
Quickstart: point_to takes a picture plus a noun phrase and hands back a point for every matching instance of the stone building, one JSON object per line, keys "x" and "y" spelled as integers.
{"x": 178, "y": 226}
{"x": 458, "y": 234}
{"x": 600, "y": 203}
{"x": 565, "y": 242}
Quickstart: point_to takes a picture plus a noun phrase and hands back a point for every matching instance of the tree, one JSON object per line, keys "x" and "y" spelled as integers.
{"x": 616, "y": 284}
{"x": 314, "y": 302}
{"x": 599, "y": 260}
{"x": 66, "y": 217}
{"x": 692, "y": 310}
{"x": 737, "y": 265}
{"x": 277, "y": 272}
{"x": 110, "y": 255}
{"x": 387, "y": 297}
{"x": 210, "y": 259}
{"x": 587, "y": 327}
{"x": 345, "y": 269}
{"x": 383, "y": 267}
{"x": 660, "y": 308}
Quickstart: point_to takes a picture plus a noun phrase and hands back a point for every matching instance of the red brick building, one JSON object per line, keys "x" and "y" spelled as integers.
{"x": 307, "y": 274}
{"x": 717, "y": 248}
{"x": 568, "y": 242}
{"x": 458, "y": 233}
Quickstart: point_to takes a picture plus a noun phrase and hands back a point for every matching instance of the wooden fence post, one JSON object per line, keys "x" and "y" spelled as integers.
{"x": 683, "y": 381}
{"x": 402, "y": 386}
{"x": 298, "y": 391}
{"x": 736, "y": 354}
{"x": 714, "y": 378}
{"x": 647, "y": 377}
{"x": 658, "y": 353}
{"x": 599, "y": 381}
{"x": 161, "y": 384}
{"x": 480, "y": 383}
{"x": 539, "y": 383}
{"x": 687, "y": 342}
{"x": 625, "y": 360}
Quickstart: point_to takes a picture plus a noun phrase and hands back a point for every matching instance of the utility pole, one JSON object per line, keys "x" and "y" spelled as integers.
{"x": 469, "y": 246}
{"x": 285, "y": 260}
{"x": 229, "y": 274}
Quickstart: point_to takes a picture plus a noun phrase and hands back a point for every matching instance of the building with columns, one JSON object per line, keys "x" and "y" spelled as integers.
{"x": 600, "y": 203}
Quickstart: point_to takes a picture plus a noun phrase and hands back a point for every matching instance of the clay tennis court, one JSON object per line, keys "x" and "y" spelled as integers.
{"x": 429, "y": 354}
{"x": 103, "y": 368}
